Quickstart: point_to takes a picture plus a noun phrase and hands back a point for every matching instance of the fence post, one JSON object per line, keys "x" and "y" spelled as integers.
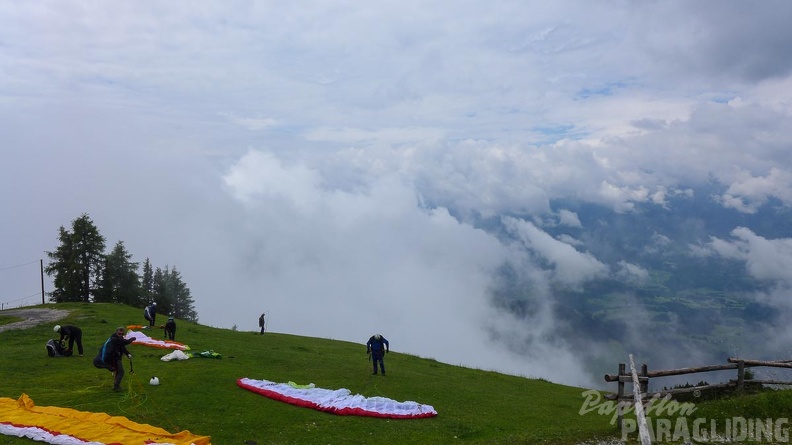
{"x": 640, "y": 416}
{"x": 620, "y": 396}
{"x": 645, "y": 383}
{"x": 740, "y": 375}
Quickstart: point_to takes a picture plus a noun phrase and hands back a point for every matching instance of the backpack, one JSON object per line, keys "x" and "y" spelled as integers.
{"x": 146, "y": 313}
{"x": 99, "y": 360}
{"x": 56, "y": 349}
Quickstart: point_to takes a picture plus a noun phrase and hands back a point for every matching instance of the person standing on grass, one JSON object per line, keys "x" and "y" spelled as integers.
{"x": 262, "y": 323}
{"x": 170, "y": 329}
{"x": 111, "y": 353}
{"x": 150, "y": 313}
{"x": 73, "y": 333}
{"x": 377, "y": 346}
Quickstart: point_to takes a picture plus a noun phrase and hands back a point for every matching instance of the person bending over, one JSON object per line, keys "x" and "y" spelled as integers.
{"x": 73, "y": 333}
{"x": 377, "y": 346}
{"x": 111, "y": 353}
{"x": 170, "y": 329}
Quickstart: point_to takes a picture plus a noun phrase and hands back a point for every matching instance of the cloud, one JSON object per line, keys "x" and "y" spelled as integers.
{"x": 284, "y": 162}
{"x": 345, "y": 265}
{"x": 768, "y": 261}
{"x": 567, "y": 218}
{"x": 765, "y": 259}
{"x": 262, "y": 176}
{"x": 251, "y": 123}
{"x": 569, "y": 267}
{"x": 631, "y": 272}
{"x": 749, "y": 193}
{"x": 569, "y": 240}
{"x": 715, "y": 51}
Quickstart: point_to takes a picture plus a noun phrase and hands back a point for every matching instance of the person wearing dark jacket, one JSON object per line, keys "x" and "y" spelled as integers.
{"x": 73, "y": 333}
{"x": 377, "y": 346}
{"x": 150, "y": 313}
{"x": 110, "y": 355}
{"x": 170, "y": 329}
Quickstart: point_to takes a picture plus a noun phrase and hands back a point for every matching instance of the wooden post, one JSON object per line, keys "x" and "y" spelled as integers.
{"x": 740, "y": 375}
{"x": 620, "y": 396}
{"x": 41, "y": 263}
{"x": 645, "y": 383}
{"x": 640, "y": 416}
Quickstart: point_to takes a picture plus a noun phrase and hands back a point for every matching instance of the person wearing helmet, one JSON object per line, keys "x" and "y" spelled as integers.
{"x": 150, "y": 313}
{"x": 376, "y": 347}
{"x": 73, "y": 333}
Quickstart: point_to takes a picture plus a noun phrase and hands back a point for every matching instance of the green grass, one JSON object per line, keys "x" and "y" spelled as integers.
{"x": 719, "y": 418}
{"x": 7, "y": 319}
{"x": 768, "y": 404}
{"x": 201, "y": 395}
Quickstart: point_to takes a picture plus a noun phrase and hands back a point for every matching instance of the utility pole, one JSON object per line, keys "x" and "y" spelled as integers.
{"x": 41, "y": 262}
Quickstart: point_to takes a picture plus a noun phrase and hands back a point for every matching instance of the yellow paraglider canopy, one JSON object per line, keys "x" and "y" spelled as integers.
{"x": 24, "y": 419}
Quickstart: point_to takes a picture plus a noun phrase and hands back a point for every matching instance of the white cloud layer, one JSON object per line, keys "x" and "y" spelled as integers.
{"x": 324, "y": 161}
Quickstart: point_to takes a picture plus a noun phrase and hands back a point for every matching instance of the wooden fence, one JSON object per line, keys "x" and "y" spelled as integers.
{"x": 626, "y": 376}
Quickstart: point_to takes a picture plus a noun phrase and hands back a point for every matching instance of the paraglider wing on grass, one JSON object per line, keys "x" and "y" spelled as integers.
{"x": 179, "y": 355}
{"x": 339, "y": 401}
{"x": 143, "y": 339}
{"x": 66, "y": 426}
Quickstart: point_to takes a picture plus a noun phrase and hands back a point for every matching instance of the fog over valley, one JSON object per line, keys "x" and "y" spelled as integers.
{"x": 538, "y": 190}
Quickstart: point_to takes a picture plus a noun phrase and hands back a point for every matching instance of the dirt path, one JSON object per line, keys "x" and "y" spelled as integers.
{"x": 32, "y": 317}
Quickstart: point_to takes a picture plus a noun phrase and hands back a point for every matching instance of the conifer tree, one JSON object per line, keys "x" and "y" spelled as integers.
{"x": 119, "y": 281}
{"x": 182, "y": 300}
{"x": 147, "y": 283}
{"x": 77, "y": 261}
{"x": 159, "y": 289}
{"x": 82, "y": 272}
{"x": 172, "y": 294}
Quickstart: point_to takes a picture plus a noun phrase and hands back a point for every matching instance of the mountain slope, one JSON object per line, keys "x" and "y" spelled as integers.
{"x": 200, "y": 395}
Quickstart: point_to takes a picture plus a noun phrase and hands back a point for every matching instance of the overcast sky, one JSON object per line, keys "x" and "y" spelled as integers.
{"x": 322, "y": 160}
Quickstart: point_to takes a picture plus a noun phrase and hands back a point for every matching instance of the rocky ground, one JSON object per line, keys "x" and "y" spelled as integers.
{"x": 32, "y": 317}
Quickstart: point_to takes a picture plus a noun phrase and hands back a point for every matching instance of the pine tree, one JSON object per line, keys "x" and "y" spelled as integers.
{"x": 104, "y": 288}
{"x": 182, "y": 300}
{"x": 77, "y": 262}
{"x": 147, "y": 283}
{"x": 159, "y": 291}
{"x": 119, "y": 282}
{"x": 66, "y": 285}
{"x": 82, "y": 272}
{"x": 172, "y": 294}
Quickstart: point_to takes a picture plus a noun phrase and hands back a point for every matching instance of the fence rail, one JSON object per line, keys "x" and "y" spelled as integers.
{"x": 626, "y": 399}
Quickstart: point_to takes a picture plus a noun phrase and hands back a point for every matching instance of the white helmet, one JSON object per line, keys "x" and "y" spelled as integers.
{"x": 56, "y": 328}
{"x": 154, "y": 381}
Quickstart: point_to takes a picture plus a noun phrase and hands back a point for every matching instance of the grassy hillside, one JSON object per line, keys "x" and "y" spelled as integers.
{"x": 200, "y": 395}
